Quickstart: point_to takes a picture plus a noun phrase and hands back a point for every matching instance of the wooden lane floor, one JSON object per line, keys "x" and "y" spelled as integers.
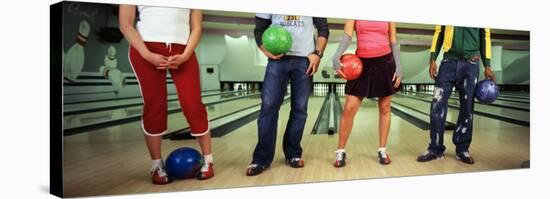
{"x": 452, "y": 114}
{"x": 499, "y": 111}
{"x": 85, "y": 145}
{"x": 121, "y": 167}
{"x": 118, "y": 113}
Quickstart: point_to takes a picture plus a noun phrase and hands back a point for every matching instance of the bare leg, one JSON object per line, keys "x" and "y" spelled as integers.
{"x": 153, "y": 144}
{"x": 346, "y": 122}
{"x": 205, "y": 143}
{"x": 384, "y": 110}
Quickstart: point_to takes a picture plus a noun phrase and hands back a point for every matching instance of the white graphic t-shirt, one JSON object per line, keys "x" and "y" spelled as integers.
{"x": 300, "y": 27}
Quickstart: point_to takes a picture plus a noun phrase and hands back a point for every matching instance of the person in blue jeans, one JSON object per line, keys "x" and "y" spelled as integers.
{"x": 463, "y": 48}
{"x": 296, "y": 66}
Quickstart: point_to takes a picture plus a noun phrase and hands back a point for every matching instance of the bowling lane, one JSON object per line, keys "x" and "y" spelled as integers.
{"x": 511, "y": 99}
{"x": 110, "y": 139}
{"x": 511, "y": 113}
{"x": 113, "y": 114}
{"x": 499, "y": 102}
{"x": 512, "y": 104}
{"x": 368, "y": 115}
{"x": 100, "y": 104}
{"x": 118, "y": 102}
{"x": 516, "y": 94}
{"x": 452, "y": 114}
{"x": 120, "y": 151}
{"x": 207, "y": 92}
{"x": 175, "y": 121}
{"x": 423, "y": 107}
{"x": 123, "y": 145}
{"x": 69, "y": 103}
{"x": 404, "y": 144}
{"x": 494, "y": 148}
{"x": 522, "y": 103}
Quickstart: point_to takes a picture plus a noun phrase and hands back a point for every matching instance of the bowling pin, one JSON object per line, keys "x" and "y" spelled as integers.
{"x": 318, "y": 89}
{"x": 109, "y": 69}
{"x": 288, "y": 88}
{"x": 73, "y": 60}
{"x": 116, "y": 79}
{"x": 225, "y": 86}
{"x": 315, "y": 89}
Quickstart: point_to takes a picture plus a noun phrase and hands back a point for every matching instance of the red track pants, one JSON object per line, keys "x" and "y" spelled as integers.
{"x": 152, "y": 83}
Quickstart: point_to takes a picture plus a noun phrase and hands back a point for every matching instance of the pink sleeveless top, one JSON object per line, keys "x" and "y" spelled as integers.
{"x": 373, "y": 38}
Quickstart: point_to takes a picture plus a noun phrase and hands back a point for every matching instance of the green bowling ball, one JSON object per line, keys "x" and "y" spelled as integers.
{"x": 277, "y": 40}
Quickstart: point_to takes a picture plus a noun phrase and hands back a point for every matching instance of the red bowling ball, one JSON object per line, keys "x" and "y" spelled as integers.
{"x": 352, "y": 67}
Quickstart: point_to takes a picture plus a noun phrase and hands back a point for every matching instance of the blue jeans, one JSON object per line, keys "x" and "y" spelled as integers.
{"x": 277, "y": 75}
{"x": 463, "y": 75}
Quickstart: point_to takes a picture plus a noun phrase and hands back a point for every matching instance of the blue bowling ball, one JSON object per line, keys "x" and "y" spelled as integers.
{"x": 486, "y": 91}
{"x": 183, "y": 163}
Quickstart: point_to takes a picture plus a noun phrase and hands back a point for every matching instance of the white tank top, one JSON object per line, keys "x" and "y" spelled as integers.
{"x": 163, "y": 24}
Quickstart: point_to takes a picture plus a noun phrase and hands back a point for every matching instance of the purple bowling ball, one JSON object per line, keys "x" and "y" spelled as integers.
{"x": 486, "y": 91}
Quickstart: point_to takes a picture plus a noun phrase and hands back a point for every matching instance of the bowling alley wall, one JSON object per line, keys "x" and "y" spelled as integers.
{"x": 98, "y": 16}
{"x": 232, "y": 56}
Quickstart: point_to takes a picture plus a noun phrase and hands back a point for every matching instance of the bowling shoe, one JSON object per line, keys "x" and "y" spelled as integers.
{"x": 296, "y": 162}
{"x": 159, "y": 176}
{"x": 465, "y": 157}
{"x": 383, "y": 158}
{"x": 340, "y": 160}
{"x": 207, "y": 171}
{"x": 255, "y": 169}
{"x": 429, "y": 156}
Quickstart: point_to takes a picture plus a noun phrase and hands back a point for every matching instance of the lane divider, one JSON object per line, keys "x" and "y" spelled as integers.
{"x": 485, "y": 114}
{"x": 135, "y": 117}
{"x": 223, "y": 124}
{"x": 171, "y": 98}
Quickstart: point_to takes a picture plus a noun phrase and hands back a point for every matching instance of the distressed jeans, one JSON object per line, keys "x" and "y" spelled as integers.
{"x": 461, "y": 74}
{"x": 277, "y": 75}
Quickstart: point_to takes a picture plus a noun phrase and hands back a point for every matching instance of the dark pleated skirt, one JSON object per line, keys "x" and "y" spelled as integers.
{"x": 376, "y": 78}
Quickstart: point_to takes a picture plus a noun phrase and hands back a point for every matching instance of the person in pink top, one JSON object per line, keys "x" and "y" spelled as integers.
{"x": 378, "y": 50}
